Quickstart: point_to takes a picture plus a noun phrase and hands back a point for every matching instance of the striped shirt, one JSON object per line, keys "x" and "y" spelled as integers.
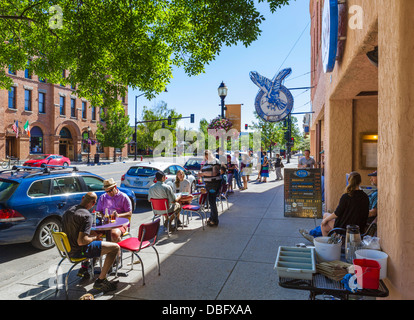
{"x": 208, "y": 167}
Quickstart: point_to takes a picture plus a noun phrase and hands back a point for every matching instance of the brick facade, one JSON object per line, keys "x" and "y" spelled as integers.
{"x": 54, "y": 129}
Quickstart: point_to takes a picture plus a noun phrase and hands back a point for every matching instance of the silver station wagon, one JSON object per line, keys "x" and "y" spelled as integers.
{"x": 139, "y": 178}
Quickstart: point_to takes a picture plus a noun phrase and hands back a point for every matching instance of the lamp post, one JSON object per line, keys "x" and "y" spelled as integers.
{"x": 89, "y": 145}
{"x": 222, "y": 92}
{"x": 135, "y": 153}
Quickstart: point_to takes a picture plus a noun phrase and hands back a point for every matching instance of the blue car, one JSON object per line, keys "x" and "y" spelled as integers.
{"x": 33, "y": 201}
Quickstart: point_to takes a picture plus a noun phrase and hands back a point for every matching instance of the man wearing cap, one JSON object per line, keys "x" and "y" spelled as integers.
{"x": 118, "y": 205}
{"x": 373, "y": 198}
{"x": 160, "y": 190}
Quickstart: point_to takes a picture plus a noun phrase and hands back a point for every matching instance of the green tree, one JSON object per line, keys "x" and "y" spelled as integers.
{"x": 109, "y": 45}
{"x": 272, "y": 132}
{"x": 115, "y": 132}
{"x": 146, "y": 130}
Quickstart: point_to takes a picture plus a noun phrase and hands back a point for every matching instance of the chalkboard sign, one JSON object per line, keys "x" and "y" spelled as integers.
{"x": 303, "y": 193}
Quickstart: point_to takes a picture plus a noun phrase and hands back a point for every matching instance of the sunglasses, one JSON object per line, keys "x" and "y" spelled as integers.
{"x": 110, "y": 190}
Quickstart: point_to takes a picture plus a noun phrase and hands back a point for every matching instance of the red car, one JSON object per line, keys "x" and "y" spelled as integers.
{"x": 52, "y": 159}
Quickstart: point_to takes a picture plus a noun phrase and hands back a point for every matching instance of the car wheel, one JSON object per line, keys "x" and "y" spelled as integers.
{"x": 133, "y": 204}
{"x": 43, "y": 239}
{"x": 65, "y": 164}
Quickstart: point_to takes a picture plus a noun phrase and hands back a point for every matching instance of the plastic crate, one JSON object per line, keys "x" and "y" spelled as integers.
{"x": 296, "y": 263}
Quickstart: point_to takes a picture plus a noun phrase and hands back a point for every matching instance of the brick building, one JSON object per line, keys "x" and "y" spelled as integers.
{"x": 60, "y": 122}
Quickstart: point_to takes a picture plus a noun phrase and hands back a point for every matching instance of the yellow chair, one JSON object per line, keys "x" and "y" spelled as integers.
{"x": 62, "y": 244}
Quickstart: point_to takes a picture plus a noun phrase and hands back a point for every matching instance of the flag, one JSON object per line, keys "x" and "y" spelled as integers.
{"x": 26, "y": 128}
{"x": 15, "y": 128}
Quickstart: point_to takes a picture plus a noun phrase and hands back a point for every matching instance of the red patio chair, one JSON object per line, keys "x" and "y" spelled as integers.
{"x": 198, "y": 209}
{"x": 147, "y": 237}
{"x": 163, "y": 205}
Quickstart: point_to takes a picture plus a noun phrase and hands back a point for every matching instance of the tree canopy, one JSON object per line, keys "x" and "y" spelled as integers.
{"x": 110, "y": 45}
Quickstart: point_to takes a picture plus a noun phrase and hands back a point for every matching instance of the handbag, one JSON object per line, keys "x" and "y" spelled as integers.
{"x": 281, "y": 164}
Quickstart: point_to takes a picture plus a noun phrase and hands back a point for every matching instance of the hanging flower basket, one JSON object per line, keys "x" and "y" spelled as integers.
{"x": 222, "y": 125}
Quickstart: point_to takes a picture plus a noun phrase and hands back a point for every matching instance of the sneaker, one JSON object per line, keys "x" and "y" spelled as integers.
{"x": 306, "y": 235}
{"x": 83, "y": 273}
{"x": 104, "y": 285}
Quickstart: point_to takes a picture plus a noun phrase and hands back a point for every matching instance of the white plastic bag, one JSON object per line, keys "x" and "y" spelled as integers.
{"x": 371, "y": 243}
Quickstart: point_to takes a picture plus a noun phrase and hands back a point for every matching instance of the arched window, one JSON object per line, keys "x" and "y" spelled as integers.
{"x": 36, "y": 140}
{"x": 65, "y": 133}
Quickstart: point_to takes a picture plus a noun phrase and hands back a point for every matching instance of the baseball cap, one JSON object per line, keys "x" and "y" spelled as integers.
{"x": 374, "y": 174}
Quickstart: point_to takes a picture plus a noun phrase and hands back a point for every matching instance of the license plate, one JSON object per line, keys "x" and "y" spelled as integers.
{"x": 138, "y": 183}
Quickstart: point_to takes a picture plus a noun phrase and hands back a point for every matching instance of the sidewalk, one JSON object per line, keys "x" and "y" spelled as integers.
{"x": 231, "y": 262}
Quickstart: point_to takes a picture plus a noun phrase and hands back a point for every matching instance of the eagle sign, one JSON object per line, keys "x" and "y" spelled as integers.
{"x": 274, "y": 102}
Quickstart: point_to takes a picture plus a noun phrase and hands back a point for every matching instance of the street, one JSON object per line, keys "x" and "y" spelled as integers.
{"x": 22, "y": 260}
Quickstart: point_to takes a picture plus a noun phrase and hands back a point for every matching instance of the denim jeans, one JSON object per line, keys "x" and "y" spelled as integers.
{"x": 237, "y": 177}
{"x": 212, "y": 201}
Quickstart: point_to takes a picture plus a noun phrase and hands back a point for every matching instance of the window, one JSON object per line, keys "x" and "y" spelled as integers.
{"x": 142, "y": 171}
{"x": 62, "y": 105}
{"x": 39, "y": 189}
{"x": 73, "y": 108}
{"x": 93, "y": 183}
{"x": 93, "y": 113}
{"x": 11, "y": 71}
{"x": 171, "y": 170}
{"x": 83, "y": 110}
{"x": 7, "y": 188}
{"x": 66, "y": 185}
{"x": 27, "y": 73}
{"x": 63, "y": 76}
{"x": 42, "y": 80}
{"x": 36, "y": 140}
{"x": 12, "y": 98}
{"x": 42, "y": 101}
{"x": 27, "y": 100}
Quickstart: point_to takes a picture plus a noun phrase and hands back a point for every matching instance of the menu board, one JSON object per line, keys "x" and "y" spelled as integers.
{"x": 303, "y": 193}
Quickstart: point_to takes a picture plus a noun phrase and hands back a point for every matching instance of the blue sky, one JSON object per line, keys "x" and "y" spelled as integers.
{"x": 198, "y": 94}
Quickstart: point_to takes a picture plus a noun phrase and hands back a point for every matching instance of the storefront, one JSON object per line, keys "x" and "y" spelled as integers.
{"x": 364, "y": 120}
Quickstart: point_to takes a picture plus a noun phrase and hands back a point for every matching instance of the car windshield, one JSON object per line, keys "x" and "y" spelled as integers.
{"x": 142, "y": 171}
{"x": 38, "y": 157}
{"x": 7, "y": 188}
{"x": 193, "y": 162}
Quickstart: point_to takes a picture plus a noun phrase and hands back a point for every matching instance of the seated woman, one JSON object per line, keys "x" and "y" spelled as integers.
{"x": 353, "y": 209}
{"x": 181, "y": 185}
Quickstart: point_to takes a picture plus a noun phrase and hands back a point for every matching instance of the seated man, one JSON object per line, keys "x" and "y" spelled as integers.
{"x": 77, "y": 224}
{"x": 161, "y": 190}
{"x": 115, "y": 201}
{"x": 373, "y": 199}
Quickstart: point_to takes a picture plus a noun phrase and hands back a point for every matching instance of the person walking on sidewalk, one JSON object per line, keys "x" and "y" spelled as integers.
{"x": 278, "y": 167}
{"x": 307, "y": 161}
{"x": 77, "y": 224}
{"x": 210, "y": 172}
{"x": 265, "y": 169}
{"x": 237, "y": 169}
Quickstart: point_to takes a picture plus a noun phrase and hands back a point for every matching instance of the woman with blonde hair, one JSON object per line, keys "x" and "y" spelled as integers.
{"x": 353, "y": 209}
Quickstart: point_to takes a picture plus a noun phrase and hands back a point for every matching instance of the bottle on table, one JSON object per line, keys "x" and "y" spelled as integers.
{"x": 106, "y": 218}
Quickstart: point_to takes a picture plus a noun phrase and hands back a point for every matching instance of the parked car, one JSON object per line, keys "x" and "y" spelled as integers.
{"x": 139, "y": 178}
{"x": 50, "y": 159}
{"x": 33, "y": 201}
{"x": 193, "y": 164}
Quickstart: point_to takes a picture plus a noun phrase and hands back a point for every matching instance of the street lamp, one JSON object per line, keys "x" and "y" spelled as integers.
{"x": 222, "y": 92}
{"x": 135, "y": 154}
{"x": 136, "y": 121}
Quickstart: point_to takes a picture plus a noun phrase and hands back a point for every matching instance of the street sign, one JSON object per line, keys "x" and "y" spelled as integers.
{"x": 274, "y": 102}
{"x": 303, "y": 193}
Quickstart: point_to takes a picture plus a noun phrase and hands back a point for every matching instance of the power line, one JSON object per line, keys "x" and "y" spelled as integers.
{"x": 294, "y": 45}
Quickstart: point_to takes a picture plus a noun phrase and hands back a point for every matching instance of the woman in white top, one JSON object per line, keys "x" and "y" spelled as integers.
{"x": 181, "y": 184}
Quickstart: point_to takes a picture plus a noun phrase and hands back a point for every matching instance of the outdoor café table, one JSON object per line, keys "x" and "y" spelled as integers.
{"x": 119, "y": 222}
{"x": 320, "y": 284}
